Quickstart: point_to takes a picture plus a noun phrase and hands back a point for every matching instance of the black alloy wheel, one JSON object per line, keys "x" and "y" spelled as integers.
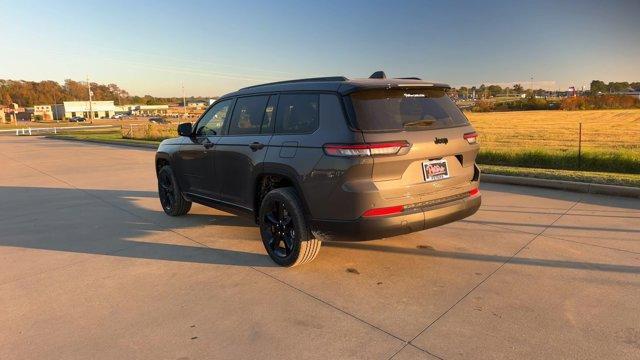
{"x": 284, "y": 230}
{"x": 171, "y": 199}
{"x": 280, "y": 230}
{"x": 166, "y": 191}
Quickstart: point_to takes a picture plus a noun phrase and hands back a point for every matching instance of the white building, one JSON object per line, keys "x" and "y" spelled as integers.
{"x": 144, "y": 110}
{"x": 69, "y": 109}
{"x": 197, "y": 104}
{"x": 43, "y": 111}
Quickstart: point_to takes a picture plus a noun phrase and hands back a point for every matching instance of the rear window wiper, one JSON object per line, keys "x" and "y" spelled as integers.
{"x": 418, "y": 123}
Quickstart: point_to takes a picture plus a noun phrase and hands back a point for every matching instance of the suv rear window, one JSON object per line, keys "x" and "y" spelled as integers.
{"x": 400, "y": 109}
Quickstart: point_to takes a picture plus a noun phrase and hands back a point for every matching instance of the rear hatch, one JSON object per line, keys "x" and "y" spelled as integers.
{"x": 441, "y": 157}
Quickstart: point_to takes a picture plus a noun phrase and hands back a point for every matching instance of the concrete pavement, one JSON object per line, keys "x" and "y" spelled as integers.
{"x": 90, "y": 267}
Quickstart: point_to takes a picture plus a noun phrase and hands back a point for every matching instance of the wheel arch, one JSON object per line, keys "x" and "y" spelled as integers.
{"x": 273, "y": 177}
{"x": 162, "y": 159}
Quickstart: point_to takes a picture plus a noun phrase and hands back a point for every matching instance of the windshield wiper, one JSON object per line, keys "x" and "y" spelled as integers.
{"x": 418, "y": 123}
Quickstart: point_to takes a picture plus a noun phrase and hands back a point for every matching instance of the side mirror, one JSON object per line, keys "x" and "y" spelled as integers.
{"x": 185, "y": 129}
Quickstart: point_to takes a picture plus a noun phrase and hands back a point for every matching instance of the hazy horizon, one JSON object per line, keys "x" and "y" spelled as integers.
{"x": 214, "y": 49}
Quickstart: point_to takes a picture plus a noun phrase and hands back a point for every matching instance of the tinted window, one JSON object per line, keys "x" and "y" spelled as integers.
{"x": 211, "y": 122}
{"x": 414, "y": 109}
{"x": 297, "y": 113}
{"x": 269, "y": 119}
{"x": 247, "y": 115}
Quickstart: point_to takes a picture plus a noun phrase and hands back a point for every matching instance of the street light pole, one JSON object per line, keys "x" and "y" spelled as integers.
{"x": 90, "y": 101}
{"x": 184, "y": 102}
{"x": 532, "y": 86}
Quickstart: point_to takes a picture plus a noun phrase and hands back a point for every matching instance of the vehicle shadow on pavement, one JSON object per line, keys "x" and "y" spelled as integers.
{"x": 113, "y": 223}
{"x": 609, "y": 203}
{"x": 110, "y": 222}
{"x": 491, "y": 258}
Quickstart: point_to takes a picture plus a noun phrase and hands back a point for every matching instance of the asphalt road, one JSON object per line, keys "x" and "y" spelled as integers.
{"x": 90, "y": 267}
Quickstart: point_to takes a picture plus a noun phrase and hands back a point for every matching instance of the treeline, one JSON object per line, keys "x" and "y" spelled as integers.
{"x": 595, "y": 102}
{"x": 598, "y": 86}
{"x": 487, "y": 91}
{"x": 592, "y": 102}
{"x": 30, "y": 93}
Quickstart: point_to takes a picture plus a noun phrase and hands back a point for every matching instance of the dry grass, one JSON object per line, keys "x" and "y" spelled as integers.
{"x": 607, "y": 130}
{"x": 549, "y": 139}
{"x": 149, "y": 131}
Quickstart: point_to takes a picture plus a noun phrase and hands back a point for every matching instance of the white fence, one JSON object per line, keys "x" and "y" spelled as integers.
{"x": 26, "y": 131}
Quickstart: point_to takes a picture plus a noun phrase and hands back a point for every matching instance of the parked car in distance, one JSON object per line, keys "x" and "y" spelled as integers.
{"x": 77, "y": 119}
{"x": 159, "y": 120}
{"x": 326, "y": 159}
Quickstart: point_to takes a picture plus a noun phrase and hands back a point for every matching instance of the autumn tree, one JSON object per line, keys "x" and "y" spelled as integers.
{"x": 518, "y": 89}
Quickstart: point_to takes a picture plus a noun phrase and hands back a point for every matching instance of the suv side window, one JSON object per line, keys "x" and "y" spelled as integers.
{"x": 212, "y": 121}
{"x": 247, "y": 115}
{"x": 297, "y": 113}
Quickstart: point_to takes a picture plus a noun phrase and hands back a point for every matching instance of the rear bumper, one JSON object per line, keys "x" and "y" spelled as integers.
{"x": 388, "y": 226}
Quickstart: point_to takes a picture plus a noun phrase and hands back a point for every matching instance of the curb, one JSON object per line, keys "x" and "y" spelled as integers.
{"x": 576, "y": 186}
{"x": 105, "y": 142}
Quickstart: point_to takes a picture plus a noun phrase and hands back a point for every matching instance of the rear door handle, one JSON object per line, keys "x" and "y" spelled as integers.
{"x": 255, "y": 146}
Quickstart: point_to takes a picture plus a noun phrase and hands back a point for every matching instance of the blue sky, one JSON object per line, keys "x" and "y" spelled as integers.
{"x": 217, "y": 47}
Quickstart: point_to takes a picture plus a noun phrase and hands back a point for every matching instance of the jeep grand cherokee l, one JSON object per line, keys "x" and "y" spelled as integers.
{"x": 326, "y": 159}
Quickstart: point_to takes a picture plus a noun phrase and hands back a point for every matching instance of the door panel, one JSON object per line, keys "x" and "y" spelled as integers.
{"x": 197, "y": 166}
{"x": 241, "y": 152}
{"x": 196, "y": 157}
{"x": 237, "y": 164}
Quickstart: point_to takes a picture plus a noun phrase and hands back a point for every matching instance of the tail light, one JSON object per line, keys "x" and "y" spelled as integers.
{"x": 383, "y": 211}
{"x": 372, "y": 149}
{"x": 474, "y": 192}
{"x": 471, "y": 137}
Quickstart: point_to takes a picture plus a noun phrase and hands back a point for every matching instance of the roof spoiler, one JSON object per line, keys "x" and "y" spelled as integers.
{"x": 378, "y": 75}
{"x": 381, "y": 75}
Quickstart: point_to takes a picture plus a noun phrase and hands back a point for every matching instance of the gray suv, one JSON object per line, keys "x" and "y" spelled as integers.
{"x": 326, "y": 159}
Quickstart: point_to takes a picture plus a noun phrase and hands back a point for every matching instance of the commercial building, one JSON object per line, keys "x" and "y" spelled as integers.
{"x": 142, "y": 110}
{"x": 69, "y": 109}
{"x": 44, "y": 112}
{"x": 197, "y": 104}
{"x": 147, "y": 110}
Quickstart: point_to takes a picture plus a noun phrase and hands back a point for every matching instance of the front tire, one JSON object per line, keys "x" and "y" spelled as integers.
{"x": 284, "y": 230}
{"x": 171, "y": 199}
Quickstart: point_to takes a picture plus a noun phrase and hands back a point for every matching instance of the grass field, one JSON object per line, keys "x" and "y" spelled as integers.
{"x": 549, "y": 139}
{"x": 528, "y": 143}
{"x": 111, "y": 136}
{"x": 595, "y": 177}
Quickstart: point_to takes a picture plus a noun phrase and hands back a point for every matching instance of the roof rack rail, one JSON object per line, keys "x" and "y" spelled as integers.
{"x": 326, "y": 78}
{"x": 409, "y": 78}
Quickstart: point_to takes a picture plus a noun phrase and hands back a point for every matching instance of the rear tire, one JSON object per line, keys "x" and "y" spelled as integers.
{"x": 284, "y": 230}
{"x": 171, "y": 199}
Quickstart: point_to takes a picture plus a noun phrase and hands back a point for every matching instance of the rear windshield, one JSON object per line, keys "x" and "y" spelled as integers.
{"x": 398, "y": 109}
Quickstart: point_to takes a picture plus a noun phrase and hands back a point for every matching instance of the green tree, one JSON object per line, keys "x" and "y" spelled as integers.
{"x": 598, "y": 86}
{"x": 518, "y": 89}
{"x": 494, "y": 90}
{"x": 618, "y": 86}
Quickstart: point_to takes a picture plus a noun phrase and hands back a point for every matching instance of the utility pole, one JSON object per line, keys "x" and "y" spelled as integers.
{"x": 532, "y": 86}
{"x": 90, "y": 101}
{"x": 184, "y": 102}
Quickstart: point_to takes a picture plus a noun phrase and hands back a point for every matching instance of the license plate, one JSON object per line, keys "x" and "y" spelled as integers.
{"x": 435, "y": 170}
